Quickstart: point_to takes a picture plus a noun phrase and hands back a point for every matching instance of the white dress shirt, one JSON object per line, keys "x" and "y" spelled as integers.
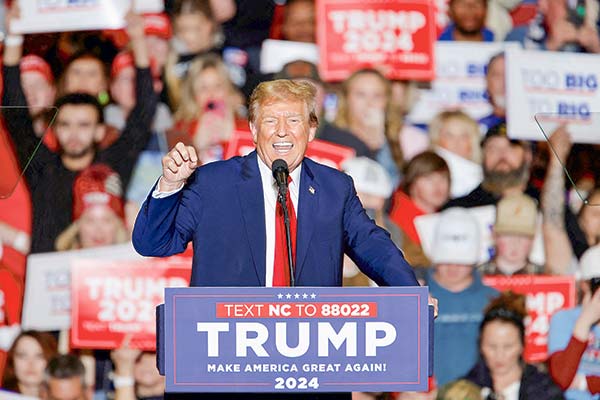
{"x": 270, "y": 203}
{"x": 270, "y": 195}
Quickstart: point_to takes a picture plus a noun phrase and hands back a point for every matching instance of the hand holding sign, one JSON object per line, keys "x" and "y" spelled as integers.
{"x": 135, "y": 25}
{"x": 13, "y": 44}
{"x": 13, "y": 13}
{"x": 560, "y": 142}
{"x": 587, "y": 36}
{"x": 124, "y": 358}
{"x": 178, "y": 165}
{"x": 561, "y": 33}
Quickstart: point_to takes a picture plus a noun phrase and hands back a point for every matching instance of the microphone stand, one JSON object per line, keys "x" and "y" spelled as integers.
{"x": 288, "y": 235}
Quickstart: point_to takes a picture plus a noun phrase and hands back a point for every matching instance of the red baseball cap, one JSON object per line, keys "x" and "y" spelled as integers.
{"x": 33, "y": 63}
{"x": 121, "y": 61}
{"x": 158, "y": 25}
{"x": 97, "y": 185}
{"x": 125, "y": 60}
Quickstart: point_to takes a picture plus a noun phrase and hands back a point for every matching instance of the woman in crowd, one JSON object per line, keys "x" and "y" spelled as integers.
{"x": 366, "y": 110}
{"x": 98, "y": 213}
{"x": 26, "y": 362}
{"x": 424, "y": 190}
{"x": 195, "y": 33}
{"x": 455, "y": 137}
{"x": 122, "y": 93}
{"x": 85, "y": 73}
{"x": 501, "y": 370}
{"x": 456, "y": 132}
{"x": 412, "y": 139}
{"x": 206, "y": 116}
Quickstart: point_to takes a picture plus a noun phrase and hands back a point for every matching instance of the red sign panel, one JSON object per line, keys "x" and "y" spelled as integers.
{"x": 396, "y": 37}
{"x": 332, "y": 155}
{"x": 113, "y": 299}
{"x": 545, "y": 296}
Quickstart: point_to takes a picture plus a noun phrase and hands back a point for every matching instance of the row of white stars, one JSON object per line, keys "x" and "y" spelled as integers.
{"x": 296, "y": 296}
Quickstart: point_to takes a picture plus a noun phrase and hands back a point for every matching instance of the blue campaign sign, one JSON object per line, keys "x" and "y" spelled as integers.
{"x": 298, "y": 339}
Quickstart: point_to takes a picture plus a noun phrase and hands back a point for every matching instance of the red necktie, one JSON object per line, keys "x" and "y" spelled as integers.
{"x": 281, "y": 270}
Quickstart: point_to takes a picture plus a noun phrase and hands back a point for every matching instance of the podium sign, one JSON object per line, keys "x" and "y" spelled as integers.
{"x": 301, "y": 339}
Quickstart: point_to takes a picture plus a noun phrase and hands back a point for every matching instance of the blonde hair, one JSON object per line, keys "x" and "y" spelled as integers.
{"x": 393, "y": 116}
{"x": 188, "y": 110}
{"x": 69, "y": 238}
{"x": 172, "y": 77}
{"x": 409, "y": 98}
{"x": 287, "y": 90}
{"x": 460, "y": 390}
{"x": 437, "y": 124}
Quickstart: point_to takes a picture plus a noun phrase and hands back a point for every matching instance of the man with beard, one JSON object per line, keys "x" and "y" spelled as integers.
{"x": 506, "y": 164}
{"x": 505, "y": 170}
{"x": 468, "y": 22}
{"x": 78, "y": 127}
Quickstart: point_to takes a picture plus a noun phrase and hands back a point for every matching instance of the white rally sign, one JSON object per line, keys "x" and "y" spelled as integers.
{"x": 554, "y": 88}
{"x": 460, "y": 80}
{"x": 276, "y": 53}
{"x": 47, "y": 303}
{"x": 77, "y": 15}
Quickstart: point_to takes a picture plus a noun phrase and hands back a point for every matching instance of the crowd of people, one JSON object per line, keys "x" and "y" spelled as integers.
{"x": 87, "y": 117}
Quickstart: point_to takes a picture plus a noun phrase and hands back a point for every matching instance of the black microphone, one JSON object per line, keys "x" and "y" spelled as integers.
{"x": 281, "y": 173}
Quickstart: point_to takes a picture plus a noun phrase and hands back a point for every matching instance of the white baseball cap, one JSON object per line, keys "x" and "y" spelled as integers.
{"x": 589, "y": 263}
{"x": 369, "y": 176}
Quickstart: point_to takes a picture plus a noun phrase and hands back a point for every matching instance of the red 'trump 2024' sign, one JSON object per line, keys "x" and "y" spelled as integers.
{"x": 395, "y": 36}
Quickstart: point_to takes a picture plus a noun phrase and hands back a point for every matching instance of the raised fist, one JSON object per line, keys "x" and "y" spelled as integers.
{"x": 178, "y": 164}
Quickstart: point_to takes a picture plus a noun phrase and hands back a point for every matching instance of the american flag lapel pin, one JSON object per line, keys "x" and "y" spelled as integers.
{"x": 311, "y": 190}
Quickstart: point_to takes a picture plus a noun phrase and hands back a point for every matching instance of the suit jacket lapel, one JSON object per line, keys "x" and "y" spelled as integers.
{"x": 251, "y": 199}
{"x": 309, "y": 201}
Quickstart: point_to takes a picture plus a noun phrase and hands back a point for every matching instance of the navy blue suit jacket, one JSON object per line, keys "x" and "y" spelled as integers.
{"x": 221, "y": 210}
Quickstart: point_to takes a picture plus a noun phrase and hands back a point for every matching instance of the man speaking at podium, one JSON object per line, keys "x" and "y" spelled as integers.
{"x": 229, "y": 209}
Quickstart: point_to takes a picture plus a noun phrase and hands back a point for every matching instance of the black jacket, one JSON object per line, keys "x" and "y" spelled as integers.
{"x": 535, "y": 385}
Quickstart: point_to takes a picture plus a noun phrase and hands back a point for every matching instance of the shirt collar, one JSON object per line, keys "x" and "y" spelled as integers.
{"x": 266, "y": 173}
